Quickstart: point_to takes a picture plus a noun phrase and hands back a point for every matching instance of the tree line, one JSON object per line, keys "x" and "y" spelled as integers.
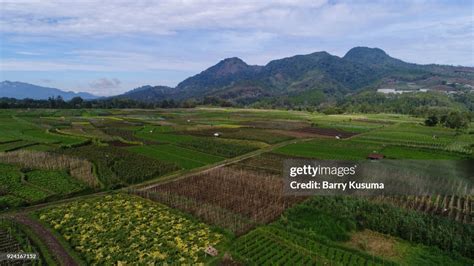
{"x": 78, "y": 103}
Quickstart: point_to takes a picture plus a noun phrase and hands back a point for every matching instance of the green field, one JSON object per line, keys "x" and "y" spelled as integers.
{"x": 21, "y": 188}
{"x": 141, "y": 186}
{"x": 185, "y": 158}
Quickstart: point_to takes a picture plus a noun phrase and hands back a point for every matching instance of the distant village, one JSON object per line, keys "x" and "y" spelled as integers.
{"x": 448, "y": 88}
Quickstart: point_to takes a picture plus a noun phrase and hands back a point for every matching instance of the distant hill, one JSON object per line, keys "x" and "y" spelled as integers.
{"x": 309, "y": 79}
{"x": 147, "y": 93}
{"x": 21, "y": 90}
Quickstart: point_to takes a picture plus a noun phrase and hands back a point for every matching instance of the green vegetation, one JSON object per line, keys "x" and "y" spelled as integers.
{"x": 452, "y": 120}
{"x": 124, "y": 229}
{"x": 14, "y": 240}
{"x": 58, "y": 182}
{"x": 242, "y": 133}
{"x": 338, "y": 216}
{"x": 20, "y": 186}
{"x": 16, "y": 189}
{"x": 48, "y": 155}
{"x": 16, "y": 128}
{"x": 118, "y": 167}
{"x": 330, "y": 149}
{"x": 183, "y": 157}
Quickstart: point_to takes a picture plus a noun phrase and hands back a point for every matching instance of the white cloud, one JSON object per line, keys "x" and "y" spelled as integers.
{"x": 105, "y": 83}
{"x": 28, "y": 53}
{"x": 191, "y": 35}
{"x": 91, "y": 18}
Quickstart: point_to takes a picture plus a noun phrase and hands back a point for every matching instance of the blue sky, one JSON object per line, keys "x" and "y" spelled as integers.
{"x": 108, "y": 47}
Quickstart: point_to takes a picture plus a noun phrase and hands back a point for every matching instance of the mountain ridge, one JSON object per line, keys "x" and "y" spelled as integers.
{"x": 308, "y": 79}
{"x": 23, "y": 90}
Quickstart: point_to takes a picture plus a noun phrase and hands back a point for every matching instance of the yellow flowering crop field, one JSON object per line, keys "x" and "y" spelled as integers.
{"x": 125, "y": 229}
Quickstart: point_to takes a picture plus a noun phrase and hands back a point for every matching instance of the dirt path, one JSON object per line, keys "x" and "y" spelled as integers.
{"x": 53, "y": 245}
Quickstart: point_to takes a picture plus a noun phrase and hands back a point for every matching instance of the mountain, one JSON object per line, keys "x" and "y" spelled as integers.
{"x": 146, "y": 93}
{"x": 309, "y": 79}
{"x": 20, "y": 90}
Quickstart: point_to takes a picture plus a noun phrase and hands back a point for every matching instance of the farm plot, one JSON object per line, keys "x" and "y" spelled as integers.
{"x": 222, "y": 147}
{"x": 415, "y": 136}
{"x": 118, "y": 166}
{"x": 126, "y": 134}
{"x": 125, "y": 229}
{"x": 264, "y": 163}
{"x": 85, "y": 130}
{"x": 77, "y": 168}
{"x": 58, "y": 182}
{"x": 276, "y": 124}
{"x": 14, "y": 240}
{"x": 14, "y": 128}
{"x": 15, "y": 145}
{"x": 402, "y": 152}
{"x": 326, "y": 132}
{"x": 183, "y": 157}
{"x": 15, "y": 191}
{"x": 335, "y": 217}
{"x": 237, "y": 200}
{"x": 280, "y": 246}
{"x": 219, "y": 147}
{"x": 243, "y": 133}
{"x": 457, "y": 208}
{"x": 19, "y": 188}
{"x": 323, "y": 148}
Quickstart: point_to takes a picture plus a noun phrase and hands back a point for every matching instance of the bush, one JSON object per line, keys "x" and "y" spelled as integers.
{"x": 431, "y": 121}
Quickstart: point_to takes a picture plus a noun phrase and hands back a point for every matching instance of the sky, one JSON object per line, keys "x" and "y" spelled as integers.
{"x": 110, "y": 46}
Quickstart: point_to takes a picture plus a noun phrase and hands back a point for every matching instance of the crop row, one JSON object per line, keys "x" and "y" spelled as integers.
{"x": 275, "y": 246}
{"x": 14, "y": 145}
{"x": 261, "y": 248}
{"x": 454, "y": 207}
{"x": 124, "y": 229}
{"x": 78, "y": 168}
{"x": 235, "y": 199}
{"x": 335, "y": 217}
{"x": 18, "y": 188}
{"x": 14, "y": 240}
{"x": 271, "y": 163}
{"x": 244, "y": 133}
{"x": 211, "y": 145}
{"x": 185, "y": 158}
{"x": 117, "y": 167}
